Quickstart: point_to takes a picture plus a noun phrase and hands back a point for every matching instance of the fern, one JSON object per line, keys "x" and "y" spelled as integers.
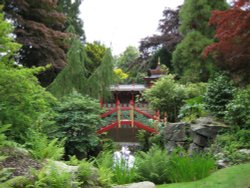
{"x": 153, "y": 165}
{"x": 3, "y": 138}
{"x": 85, "y": 172}
{"x": 40, "y": 147}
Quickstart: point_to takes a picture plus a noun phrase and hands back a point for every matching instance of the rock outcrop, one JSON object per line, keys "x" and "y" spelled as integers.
{"x": 194, "y": 137}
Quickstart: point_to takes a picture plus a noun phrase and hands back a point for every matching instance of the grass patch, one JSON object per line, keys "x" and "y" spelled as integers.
{"x": 231, "y": 177}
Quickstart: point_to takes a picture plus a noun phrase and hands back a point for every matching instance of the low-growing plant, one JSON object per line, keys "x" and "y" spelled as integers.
{"x": 5, "y": 174}
{"x": 118, "y": 173}
{"x": 105, "y": 176}
{"x": 40, "y": 147}
{"x": 229, "y": 144}
{"x": 104, "y": 162}
{"x": 184, "y": 167}
{"x": 85, "y": 171}
{"x": 153, "y": 165}
{"x": 3, "y": 137}
{"x": 53, "y": 177}
{"x": 192, "y": 109}
{"x": 73, "y": 161}
{"x": 122, "y": 173}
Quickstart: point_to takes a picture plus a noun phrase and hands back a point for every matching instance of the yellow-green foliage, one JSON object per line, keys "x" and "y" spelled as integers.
{"x": 120, "y": 75}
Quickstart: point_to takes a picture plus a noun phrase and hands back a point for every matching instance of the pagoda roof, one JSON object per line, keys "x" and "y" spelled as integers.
{"x": 155, "y": 76}
{"x": 128, "y": 87}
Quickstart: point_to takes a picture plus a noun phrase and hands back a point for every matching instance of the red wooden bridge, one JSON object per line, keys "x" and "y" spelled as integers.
{"x": 132, "y": 122}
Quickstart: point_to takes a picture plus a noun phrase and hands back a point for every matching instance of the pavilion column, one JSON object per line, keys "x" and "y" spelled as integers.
{"x": 118, "y": 106}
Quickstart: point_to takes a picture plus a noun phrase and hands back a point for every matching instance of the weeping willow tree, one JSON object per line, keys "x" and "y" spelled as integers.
{"x": 102, "y": 77}
{"x": 74, "y": 75}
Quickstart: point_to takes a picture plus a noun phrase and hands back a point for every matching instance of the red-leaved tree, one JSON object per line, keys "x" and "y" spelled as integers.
{"x": 232, "y": 49}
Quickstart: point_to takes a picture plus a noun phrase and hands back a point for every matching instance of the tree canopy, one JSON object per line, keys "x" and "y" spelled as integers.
{"x": 38, "y": 27}
{"x": 188, "y": 61}
{"x": 232, "y": 49}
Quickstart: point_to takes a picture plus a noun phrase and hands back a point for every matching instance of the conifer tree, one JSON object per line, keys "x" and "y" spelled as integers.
{"x": 188, "y": 61}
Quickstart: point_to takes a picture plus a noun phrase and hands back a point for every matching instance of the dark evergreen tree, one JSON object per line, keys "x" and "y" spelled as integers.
{"x": 187, "y": 58}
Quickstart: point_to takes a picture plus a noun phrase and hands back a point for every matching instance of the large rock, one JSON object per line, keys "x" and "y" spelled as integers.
{"x": 203, "y": 131}
{"x": 175, "y": 132}
{"x": 175, "y": 135}
{"x": 144, "y": 184}
{"x": 64, "y": 167}
{"x": 193, "y": 148}
{"x": 206, "y": 126}
{"x": 200, "y": 140}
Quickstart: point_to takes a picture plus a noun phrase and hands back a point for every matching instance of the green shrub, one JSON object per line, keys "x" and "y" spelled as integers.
{"x": 195, "y": 89}
{"x": 77, "y": 120}
{"x": 219, "y": 93}
{"x": 229, "y": 144}
{"x": 167, "y": 96}
{"x": 40, "y": 147}
{"x": 192, "y": 109}
{"x": 22, "y": 99}
{"x": 183, "y": 167}
{"x": 153, "y": 166}
{"x": 238, "y": 109}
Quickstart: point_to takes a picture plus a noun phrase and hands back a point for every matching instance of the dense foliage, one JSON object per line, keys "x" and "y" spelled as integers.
{"x": 95, "y": 52}
{"x": 77, "y": 121}
{"x": 219, "y": 93}
{"x": 232, "y": 49}
{"x": 38, "y": 27}
{"x": 153, "y": 166}
{"x": 184, "y": 167}
{"x": 8, "y": 46}
{"x": 238, "y": 109}
{"x": 188, "y": 61}
{"x": 166, "y": 95}
{"x": 22, "y": 99}
{"x": 195, "y": 14}
{"x": 73, "y": 76}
